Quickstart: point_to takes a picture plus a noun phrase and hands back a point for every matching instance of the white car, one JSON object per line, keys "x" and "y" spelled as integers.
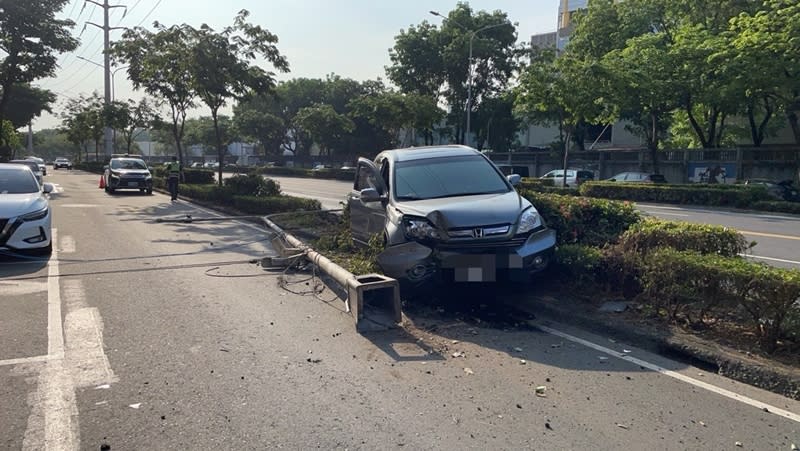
{"x": 25, "y": 216}
{"x": 40, "y": 162}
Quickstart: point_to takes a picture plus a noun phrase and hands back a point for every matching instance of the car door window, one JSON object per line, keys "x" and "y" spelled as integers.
{"x": 365, "y": 179}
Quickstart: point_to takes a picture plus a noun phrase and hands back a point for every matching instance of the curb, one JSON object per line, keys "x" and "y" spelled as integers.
{"x": 768, "y": 375}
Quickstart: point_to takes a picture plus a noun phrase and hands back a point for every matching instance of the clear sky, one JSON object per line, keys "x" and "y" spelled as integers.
{"x": 351, "y": 38}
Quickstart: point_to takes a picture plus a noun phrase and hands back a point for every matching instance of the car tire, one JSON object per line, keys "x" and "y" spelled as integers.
{"x": 150, "y": 192}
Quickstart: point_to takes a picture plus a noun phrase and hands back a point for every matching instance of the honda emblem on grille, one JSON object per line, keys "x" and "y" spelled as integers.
{"x": 477, "y": 233}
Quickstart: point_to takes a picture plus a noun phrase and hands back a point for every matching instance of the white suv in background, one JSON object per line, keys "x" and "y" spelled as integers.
{"x": 574, "y": 177}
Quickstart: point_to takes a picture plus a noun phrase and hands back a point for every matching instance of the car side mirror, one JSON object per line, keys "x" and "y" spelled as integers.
{"x": 48, "y": 188}
{"x": 370, "y": 195}
{"x": 514, "y": 179}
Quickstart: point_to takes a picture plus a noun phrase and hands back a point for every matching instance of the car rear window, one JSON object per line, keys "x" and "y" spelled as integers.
{"x": 446, "y": 177}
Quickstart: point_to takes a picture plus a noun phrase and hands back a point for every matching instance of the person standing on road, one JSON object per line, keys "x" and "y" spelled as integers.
{"x": 174, "y": 173}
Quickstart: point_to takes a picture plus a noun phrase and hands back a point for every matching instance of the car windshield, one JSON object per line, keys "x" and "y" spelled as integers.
{"x": 446, "y": 177}
{"x": 31, "y": 164}
{"x": 15, "y": 181}
{"x": 128, "y": 164}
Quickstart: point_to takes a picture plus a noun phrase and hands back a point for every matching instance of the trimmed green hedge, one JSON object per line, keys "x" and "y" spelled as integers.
{"x": 252, "y": 185}
{"x": 277, "y": 204}
{"x": 91, "y": 166}
{"x": 777, "y": 206}
{"x": 706, "y": 239}
{"x": 711, "y": 195}
{"x": 584, "y": 220}
{"x": 689, "y": 283}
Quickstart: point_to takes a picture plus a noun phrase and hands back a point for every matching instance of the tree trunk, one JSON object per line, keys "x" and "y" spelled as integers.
{"x": 218, "y": 138}
{"x": 566, "y": 159}
{"x": 695, "y": 125}
{"x": 652, "y": 142}
{"x": 720, "y": 131}
{"x": 795, "y": 125}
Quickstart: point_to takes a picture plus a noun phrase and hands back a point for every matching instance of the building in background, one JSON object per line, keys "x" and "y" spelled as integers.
{"x": 566, "y": 9}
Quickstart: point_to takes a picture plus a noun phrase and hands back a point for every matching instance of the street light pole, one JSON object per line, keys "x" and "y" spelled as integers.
{"x": 114, "y": 72}
{"x": 469, "y": 69}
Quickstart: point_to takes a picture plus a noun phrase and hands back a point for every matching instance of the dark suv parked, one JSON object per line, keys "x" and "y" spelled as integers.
{"x": 128, "y": 173}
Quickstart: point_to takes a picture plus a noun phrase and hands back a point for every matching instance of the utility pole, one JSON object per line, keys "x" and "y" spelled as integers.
{"x": 109, "y": 142}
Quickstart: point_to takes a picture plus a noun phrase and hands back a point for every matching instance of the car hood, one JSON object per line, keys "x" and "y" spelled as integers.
{"x": 12, "y": 205}
{"x": 468, "y": 211}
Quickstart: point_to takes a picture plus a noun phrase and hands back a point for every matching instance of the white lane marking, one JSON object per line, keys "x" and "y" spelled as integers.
{"x": 25, "y": 360}
{"x": 660, "y": 207}
{"x": 772, "y": 259}
{"x": 83, "y": 326}
{"x": 667, "y": 214}
{"x": 67, "y": 244}
{"x": 57, "y": 398}
{"x": 674, "y": 374}
{"x": 17, "y": 288}
{"x": 55, "y": 332}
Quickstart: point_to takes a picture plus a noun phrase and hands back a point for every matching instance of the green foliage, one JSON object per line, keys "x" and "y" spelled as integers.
{"x": 777, "y": 206}
{"x": 12, "y": 138}
{"x": 277, "y": 204}
{"x": 579, "y": 264}
{"x": 711, "y": 195}
{"x": 653, "y": 233}
{"x": 31, "y": 37}
{"x": 27, "y": 102}
{"x": 433, "y": 61}
{"x": 326, "y": 127}
{"x": 82, "y": 121}
{"x": 253, "y": 185}
{"x": 688, "y": 285}
{"x": 578, "y": 220}
{"x": 130, "y": 118}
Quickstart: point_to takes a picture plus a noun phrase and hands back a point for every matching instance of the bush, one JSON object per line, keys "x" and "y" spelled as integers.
{"x": 191, "y": 176}
{"x": 689, "y": 285}
{"x": 269, "y": 205}
{"x": 651, "y": 234}
{"x": 711, "y": 195}
{"x": 773, "y": 298}
{"x": 587, "y": 221}
{"x": 252, "y": 185}
{"x": 337, "y": 174}
{"x": 578, "y": 264}
{"x": 91, "y": 166}
{"x": 777, "y": 206}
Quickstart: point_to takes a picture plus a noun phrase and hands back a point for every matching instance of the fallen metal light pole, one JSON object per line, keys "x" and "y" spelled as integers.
{"x": 376, "y": 287}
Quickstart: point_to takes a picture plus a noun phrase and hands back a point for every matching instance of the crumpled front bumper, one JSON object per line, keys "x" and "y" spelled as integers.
{"x": 417, "y": 263}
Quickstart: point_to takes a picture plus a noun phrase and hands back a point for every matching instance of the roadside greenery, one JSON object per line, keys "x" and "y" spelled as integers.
{"x": 719, "y": 196}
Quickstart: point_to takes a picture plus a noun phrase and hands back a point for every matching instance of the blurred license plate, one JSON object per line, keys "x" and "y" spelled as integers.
{"x": 133, "y": 183}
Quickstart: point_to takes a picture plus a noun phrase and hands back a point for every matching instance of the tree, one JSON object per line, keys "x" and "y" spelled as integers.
{"x": 30, "y": 39}
{"x": 767, "y": 41}
{"x": 326, "y": 127}
{"x": 221, "y": 66}
{"x": 201, "y": 132}
{"x": 498, "y": 124}
{"x": 131, "y": 118}
{"x": 435, "y": 61}
{"x": 159, "y": 62}
{"x": 268, "y": 128}
{"x": 83, "y": 121}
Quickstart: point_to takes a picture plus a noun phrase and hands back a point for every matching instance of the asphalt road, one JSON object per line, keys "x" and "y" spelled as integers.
{"x": 144, "y": 335}
{"x": 777, "y": 236}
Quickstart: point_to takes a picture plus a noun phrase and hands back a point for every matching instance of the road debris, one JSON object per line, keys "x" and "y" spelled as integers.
{"x": 602, "y": 358}
{"x": 794, "y": 447}
{"x": 310, "y": 360}
{"x": 517, "y": 349}
{"x": 103, "y": 387}
{"x": 523, "y": 362}
{"x": 458, "y": 354}
{"x": 541, "y": 391}
{"x": 455, "y": 342}
{"x": 739, "y": 444}
{"x": 627, "y": 351}
{"x": 469, "y": 371}
{"x": 702, "y": 423}
{"x": 556, "y": 345}
{"x": 622, "y": 426}
{"x": 547, "y": 425}
{"x": 135, "y": 406}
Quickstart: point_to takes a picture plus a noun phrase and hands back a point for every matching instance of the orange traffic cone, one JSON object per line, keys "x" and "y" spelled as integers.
{"x": 102, "y": 182}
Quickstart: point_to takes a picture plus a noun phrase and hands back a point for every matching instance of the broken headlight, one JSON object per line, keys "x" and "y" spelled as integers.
{"x": 529, "y": 220}
{"x": 419, "y": 229}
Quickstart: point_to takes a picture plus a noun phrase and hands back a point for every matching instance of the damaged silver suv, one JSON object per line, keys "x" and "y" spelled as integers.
{"x": 447, "y": 213}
